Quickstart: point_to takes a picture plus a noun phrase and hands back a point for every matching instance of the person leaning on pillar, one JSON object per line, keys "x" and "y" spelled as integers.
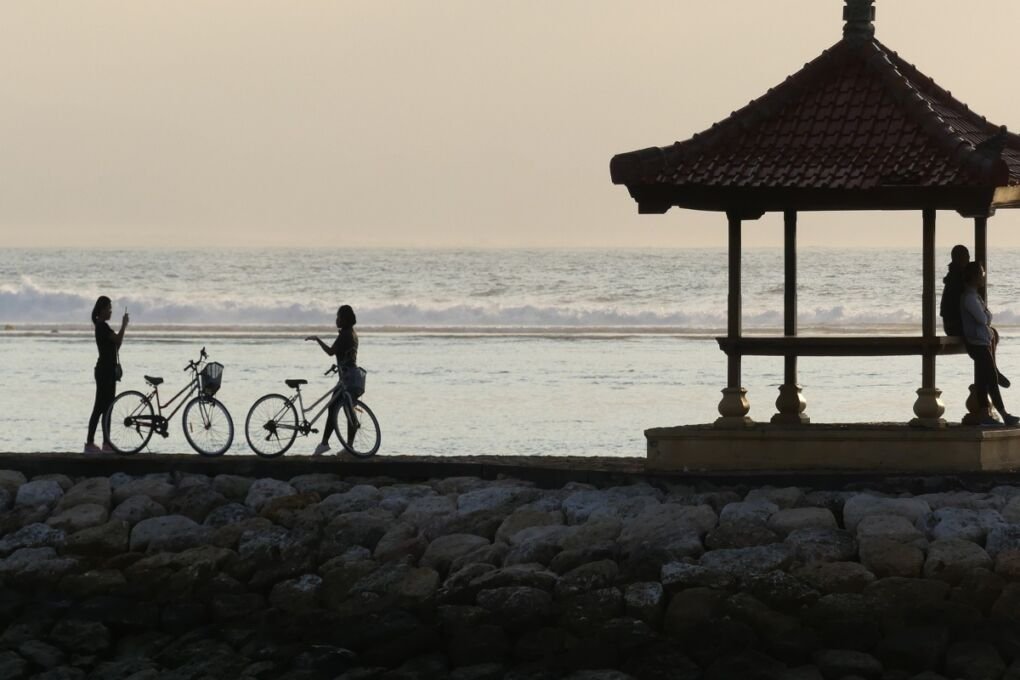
{"x": 978, "y": 335}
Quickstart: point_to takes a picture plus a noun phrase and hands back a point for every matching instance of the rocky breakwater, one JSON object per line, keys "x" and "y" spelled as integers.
{"x": 187, "y": 576}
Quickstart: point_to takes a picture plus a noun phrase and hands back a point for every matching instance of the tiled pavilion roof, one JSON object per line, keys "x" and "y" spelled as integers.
{"x": 857, "y": 128}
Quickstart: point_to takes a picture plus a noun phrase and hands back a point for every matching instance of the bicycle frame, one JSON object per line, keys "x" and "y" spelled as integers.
{"x": 186, "y": 391}
{"x": 334, "y": 394}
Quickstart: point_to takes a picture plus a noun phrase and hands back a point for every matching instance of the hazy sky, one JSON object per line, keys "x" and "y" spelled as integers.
{"x": 422, "y": 122}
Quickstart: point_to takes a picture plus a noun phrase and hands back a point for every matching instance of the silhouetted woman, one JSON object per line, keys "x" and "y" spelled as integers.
{"x": 345, "y": 349}
{"x": 108, "y": 344}
{"x": 979, "y": 337}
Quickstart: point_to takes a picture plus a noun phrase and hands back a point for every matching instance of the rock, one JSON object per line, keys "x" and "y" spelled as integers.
{"x": 1007, "y": 564}
{"x": 516, "y": 607}
{"x": 780, "y": 590}
{"x": 74, "y": 635}
{"x": 494, "y": 554}
{"x": 835, "y": 577}
{"x": 78, "y": 517}
{"x": 785, "y": 522}
{"x": 443, "y": 551}
{"x": 93, "y": 582}
{"x": 951, "y": 559}
{"x": 38, "y": 492}
{"x": 402, "y": 541}
{"x": 822, "y": 545}
{"x": 886, "y": 557}
{"x": 91, "y": 491}
{"x": 571, "y": 559}
{"x": 841, "y": 663}
{"x": 401, "y": 584}
{"x": 501, "y": 499}
{"x": 36, "y": 566}
{"x": 747, "y": 513}
{"x": 41, "y": 654}
{"x": 645, "y": 601}
{"x": 134, "y": 509}
{"x": 864, "y": 505}
{"x": 969, "y": 525}
{"x": 321, "y": 483}
{"x": 537, "y": 544}
{"x": 297, "y": 596}
{"x": 525, "y": 519}
{"x": 172, "y": 533}
{"x": 891, "y": 527}
{"x": 670, "y": 526}
{"x": 739, "y": 562}
{"x": 263, "y": 490}
{"x": 196, "y": 502}
{"x": 156, "y": 489}
{"x": 1006, "y": 537}
{"x": 974, "y": 660}
{"x": 784, "y": 498}
{"x": 363, "y": 528}
{"x": 6, "y": 498}
{"x": 458, "y": 589}
{"x": 233, "y": 487}
{"x": 532, "y": 576}
{"x": 594, "y": 531}
{"x": 32, "y": 536}
{"x": 12, "y": 479}
{"x": 740, "y": 536}
{"x": 587, "y": 577}
{"x": 230, "y": 513}
{"x": 360, "y": 498}
{"x": 430, "y": 513}
{"x": 677, "y": 576}
{"x": 105, "y": 540}
{"x": 692, "y": 608}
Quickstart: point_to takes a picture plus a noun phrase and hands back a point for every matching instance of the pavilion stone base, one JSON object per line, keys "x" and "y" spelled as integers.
{"x": 860, "y": 447}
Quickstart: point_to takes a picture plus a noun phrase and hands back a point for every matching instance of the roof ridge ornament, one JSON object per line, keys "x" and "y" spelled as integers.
{"x": 859, "y": 15}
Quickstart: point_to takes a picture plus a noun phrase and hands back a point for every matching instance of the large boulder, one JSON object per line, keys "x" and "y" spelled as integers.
{"x": 105, "y": 540}
{"x": 234, "y": 487}
{"x": 36, "y": 535}
{"x": 670, "y": 527}
{"x": 322, "y": 483}
{"x": 951, "y": 559}
{"x": 170, "y": 533}
{"x": 890, "y": 527}
{"x": 524, "y": 519}
{"x": 822, "y": 545}
{"x": 747, "y": 561}
{"x": 196, "y": 502}
{"x": 44, "y": 492}
{"x": 836, "y": 577}
{"x": 360, "y": 498}
{"x": 745, "y": 513}
{"x": 787, "y": 521}
{"x": 863, "y": 505}
{"x": 442, "y": 552}
{"x": 263, "y": 490}
{"x": 783, "y": 497}
{"x": 78, "y": 517}
{"x": 91, "y": 491}
{"x": 36, "y": 566}
{"x": 155, "y": 488}
{"x": 962, "y": 523}
{"x": 887, "y": 557}
{"x": 134, "y": 509}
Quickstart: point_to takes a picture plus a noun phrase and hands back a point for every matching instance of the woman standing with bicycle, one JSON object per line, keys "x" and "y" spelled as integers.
{"x": 345, "y": 349}
{"x": 107, "y": 370}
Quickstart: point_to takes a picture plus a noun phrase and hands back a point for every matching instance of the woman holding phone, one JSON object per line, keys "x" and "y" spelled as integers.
{"x": 107, "y": 371}
{"x": 345, "y": 349}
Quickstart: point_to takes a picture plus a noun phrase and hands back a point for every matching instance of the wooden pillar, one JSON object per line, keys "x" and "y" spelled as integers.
{"x": 976, "y": 410}
{"x": 928, "y": 408}
{"x": 790, "y": 404}
{"x": 734, "y": 405}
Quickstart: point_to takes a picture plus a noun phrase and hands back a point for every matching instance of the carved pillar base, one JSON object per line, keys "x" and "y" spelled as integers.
{"x": 733, "y": 409}
{"x": 790, "y": 405}
{"x": 976, "y": 412}
{"x": 929, "y": 408}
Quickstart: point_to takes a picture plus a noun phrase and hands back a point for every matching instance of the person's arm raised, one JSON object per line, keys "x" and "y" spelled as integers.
{"x": 325, "y": 348}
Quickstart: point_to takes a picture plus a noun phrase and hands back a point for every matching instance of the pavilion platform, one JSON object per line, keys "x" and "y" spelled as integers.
{"x": 855, "y": 447}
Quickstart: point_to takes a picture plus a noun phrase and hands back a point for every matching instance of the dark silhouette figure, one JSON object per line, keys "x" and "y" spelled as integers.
{"x": 345, "y": 349}
{"x": 979, "y": 336}
{"x": 106, "y": 371}
{"x": 952, "y": 291}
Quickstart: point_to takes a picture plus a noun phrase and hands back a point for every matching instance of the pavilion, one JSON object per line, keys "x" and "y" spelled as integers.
{"x": 859, "y": 128}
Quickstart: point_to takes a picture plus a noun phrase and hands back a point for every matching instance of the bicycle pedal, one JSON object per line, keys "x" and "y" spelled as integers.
{"x": 314, "y": 431}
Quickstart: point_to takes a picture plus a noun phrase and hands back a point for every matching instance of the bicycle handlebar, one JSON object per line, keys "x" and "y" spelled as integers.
{"x": 332, "y": 369}
{"x": 194, "y": 364}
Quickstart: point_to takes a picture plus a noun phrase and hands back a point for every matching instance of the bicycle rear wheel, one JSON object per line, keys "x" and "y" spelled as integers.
{"x": 271, "y": 426}
{"x": 357, "y": 428}
{"x": 208, "y": 426}
{"x": 130, "y": 421}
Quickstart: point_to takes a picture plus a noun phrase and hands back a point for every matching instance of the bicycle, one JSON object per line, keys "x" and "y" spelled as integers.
{"x": 272, "y": 424}
{"x": 208, "y": 427}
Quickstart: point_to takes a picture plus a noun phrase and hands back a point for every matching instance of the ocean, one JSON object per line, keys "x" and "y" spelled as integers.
{"x": 531, "y": 352}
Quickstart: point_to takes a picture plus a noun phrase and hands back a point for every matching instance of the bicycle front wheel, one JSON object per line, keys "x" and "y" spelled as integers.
{"x": 271, "y": 426}
{"x": 130, "y": 422}
{"x": 208, "y": 426}
{"x": 357, "y": 428}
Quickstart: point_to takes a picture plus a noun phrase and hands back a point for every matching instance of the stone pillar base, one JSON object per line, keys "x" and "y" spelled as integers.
{"x": 929, "y": 408}
{"x": 733, "y": 409}
{"x": 976, "y": 412}
{"x": 790, "y": 405}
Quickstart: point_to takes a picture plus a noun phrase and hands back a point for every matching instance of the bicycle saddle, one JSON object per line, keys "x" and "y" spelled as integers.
{"x": 153, "y": 380}
{"x": 295, "y": 382}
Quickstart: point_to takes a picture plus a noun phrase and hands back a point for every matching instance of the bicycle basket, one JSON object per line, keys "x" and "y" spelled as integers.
{"x": 354, "y": 380}
{"x": 210, "y": 378}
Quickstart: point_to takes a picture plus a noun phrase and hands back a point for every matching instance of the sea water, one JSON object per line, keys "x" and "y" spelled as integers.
{"x": 545, "y": 352}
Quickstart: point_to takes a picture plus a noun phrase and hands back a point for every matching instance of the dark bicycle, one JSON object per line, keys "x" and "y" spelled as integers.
{"x": 272, "y": 424}
{"x": 208, "y": 426}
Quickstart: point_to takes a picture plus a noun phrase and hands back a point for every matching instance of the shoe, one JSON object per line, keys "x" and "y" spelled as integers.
{"x": 1010, "y": 421}
{"x": 1003, "y": 381}
{"x": 989, "y": 421}
{"x": 108, "y": 448}
{"x": 91, "y": 448}
{"x": 320, "y": 449}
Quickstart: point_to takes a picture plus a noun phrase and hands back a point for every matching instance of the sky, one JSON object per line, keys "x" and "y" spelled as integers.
{"x": 423, "y": 123}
